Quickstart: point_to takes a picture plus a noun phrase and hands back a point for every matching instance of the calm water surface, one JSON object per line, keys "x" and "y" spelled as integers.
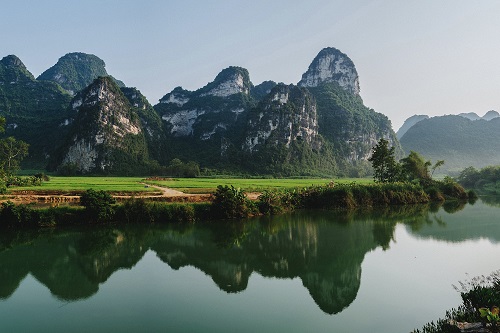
{"x": 384, "y": 271}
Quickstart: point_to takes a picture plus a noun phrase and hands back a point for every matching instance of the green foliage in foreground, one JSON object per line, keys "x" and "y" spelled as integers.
{"x": 479, "y": 295}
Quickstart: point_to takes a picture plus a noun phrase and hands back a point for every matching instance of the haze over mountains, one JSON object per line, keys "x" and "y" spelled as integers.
{"x": 460, "y": 140}
{"x": 79, "y": 119}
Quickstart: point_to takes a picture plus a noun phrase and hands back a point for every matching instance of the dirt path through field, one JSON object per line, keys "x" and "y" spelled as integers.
{"x": 165, "y": 194}
{"x": 168, "y": 192}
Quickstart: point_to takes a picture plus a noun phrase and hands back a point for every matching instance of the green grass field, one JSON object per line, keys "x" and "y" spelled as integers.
{"x": 67, "y": 184}
{"x": 207, "y": 185}
{"x": 187, "y": 185}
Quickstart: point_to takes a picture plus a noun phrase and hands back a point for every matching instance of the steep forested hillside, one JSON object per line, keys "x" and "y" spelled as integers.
{"x": 75, "y": 71}
{"x": 35, "y": 111}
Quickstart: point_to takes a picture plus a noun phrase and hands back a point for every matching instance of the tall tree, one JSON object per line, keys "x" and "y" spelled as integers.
{"x": 414, "y": 167}
{"x": 385, "y": 167}
{"x": 12, "y": 152}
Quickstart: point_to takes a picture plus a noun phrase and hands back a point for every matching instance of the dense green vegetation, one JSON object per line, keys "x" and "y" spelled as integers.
{"x": 413, "y": 169}
{"x": 12, "y": 152}
{"x": 228, "y": 203}
{"x": 75, "y": 71}
{"x": 34, "y": 111}
{"x": 486, "y": 179}
{"x": 346, "y": 122}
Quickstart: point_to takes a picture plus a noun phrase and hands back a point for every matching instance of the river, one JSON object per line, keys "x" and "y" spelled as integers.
{"x": 389, "y": 270}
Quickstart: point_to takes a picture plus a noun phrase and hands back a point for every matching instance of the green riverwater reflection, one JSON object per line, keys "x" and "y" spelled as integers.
{"x": 386, "y": 271}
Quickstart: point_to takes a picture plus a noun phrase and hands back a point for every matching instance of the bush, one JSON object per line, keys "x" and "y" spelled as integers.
{"x": 98, "y": 205}
{"x": 274, "y": 202}
{"x": 229, "y": 202}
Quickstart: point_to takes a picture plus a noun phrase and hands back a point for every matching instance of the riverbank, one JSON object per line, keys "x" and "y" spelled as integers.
{"x": 478, "y": 312}
{"x": 227, "y": 202}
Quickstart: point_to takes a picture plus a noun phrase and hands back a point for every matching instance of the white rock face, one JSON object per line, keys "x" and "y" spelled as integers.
{"x": 176, "y": 99}
{"x": 283, "y": 127}
{"x": 230, "y": 87}
{"x": 66, "y": 122}
{"x": 281, "y": 97}
{"x": 208, "y": 135}
{"x": 108, "y": 124}
{"x": 83, "y": 154}
{"x": 77, "y": 103}
{"x": 332, "y": 66}
{"x": 182, "y": 122}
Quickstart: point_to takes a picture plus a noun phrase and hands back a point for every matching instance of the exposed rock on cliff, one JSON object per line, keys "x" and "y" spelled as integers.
{"x": 343, "y": 120}
{"x": 287, "y": 114}
{"x": 331, "y": 65}
{"x": 212, "y": 109}
{"x": 106, "y": 134}
{"x": 150, "y": 122}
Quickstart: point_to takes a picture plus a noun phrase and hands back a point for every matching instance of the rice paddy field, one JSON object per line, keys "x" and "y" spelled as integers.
{"x": 187, "y": 185}
{"x": 208, "y": 185}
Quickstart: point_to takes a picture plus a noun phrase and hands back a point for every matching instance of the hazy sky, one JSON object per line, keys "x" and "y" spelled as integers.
{"x": 413, "y": 56}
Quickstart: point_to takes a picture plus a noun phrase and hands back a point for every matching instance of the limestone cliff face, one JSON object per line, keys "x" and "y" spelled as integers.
{"x": 286, "y": 115}
{"x": 343, "y": 118}
{"x": 208, "y": 111}
{"x": 105, "y": 130}
{"x": 331, "y": 65}
{"x": 151, "y": 122}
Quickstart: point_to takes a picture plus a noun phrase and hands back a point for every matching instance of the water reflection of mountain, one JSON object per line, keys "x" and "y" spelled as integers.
{"x": 325, "y": 255}
{"x": 70, "y": 264}
{"x": 324, "y": 249}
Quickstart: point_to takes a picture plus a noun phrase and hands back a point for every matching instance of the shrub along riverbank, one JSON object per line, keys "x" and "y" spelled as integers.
{"x": 478, "y": 312}
{"x": 98, "y": 207}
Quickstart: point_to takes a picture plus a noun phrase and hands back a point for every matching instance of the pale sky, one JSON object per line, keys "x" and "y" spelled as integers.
{"x": 430, "y": 57}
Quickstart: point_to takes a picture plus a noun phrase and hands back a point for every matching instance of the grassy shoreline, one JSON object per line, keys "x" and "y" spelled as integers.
{"x": 228, "y": 202}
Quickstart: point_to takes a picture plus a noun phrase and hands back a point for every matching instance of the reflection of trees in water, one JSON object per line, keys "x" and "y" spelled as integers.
{"x": 325, "y": 249}
{"x": 491, "y": 200}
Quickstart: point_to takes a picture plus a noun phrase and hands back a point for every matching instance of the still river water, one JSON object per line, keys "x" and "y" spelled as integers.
{"x": 314, "y": 271}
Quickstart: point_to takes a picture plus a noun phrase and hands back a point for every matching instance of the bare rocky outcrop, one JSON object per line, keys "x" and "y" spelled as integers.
{"x": 286, "y": 115}
{"x": 331, "y": 65}
{"x": 105, "y": 124}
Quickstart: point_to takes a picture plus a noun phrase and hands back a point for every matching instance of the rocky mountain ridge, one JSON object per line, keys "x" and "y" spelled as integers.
{"x": 106, "y": 133}
{"x": 319, "y": 126}
{"x": 75, "y": 71}
{"x": 331, "y": 65}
